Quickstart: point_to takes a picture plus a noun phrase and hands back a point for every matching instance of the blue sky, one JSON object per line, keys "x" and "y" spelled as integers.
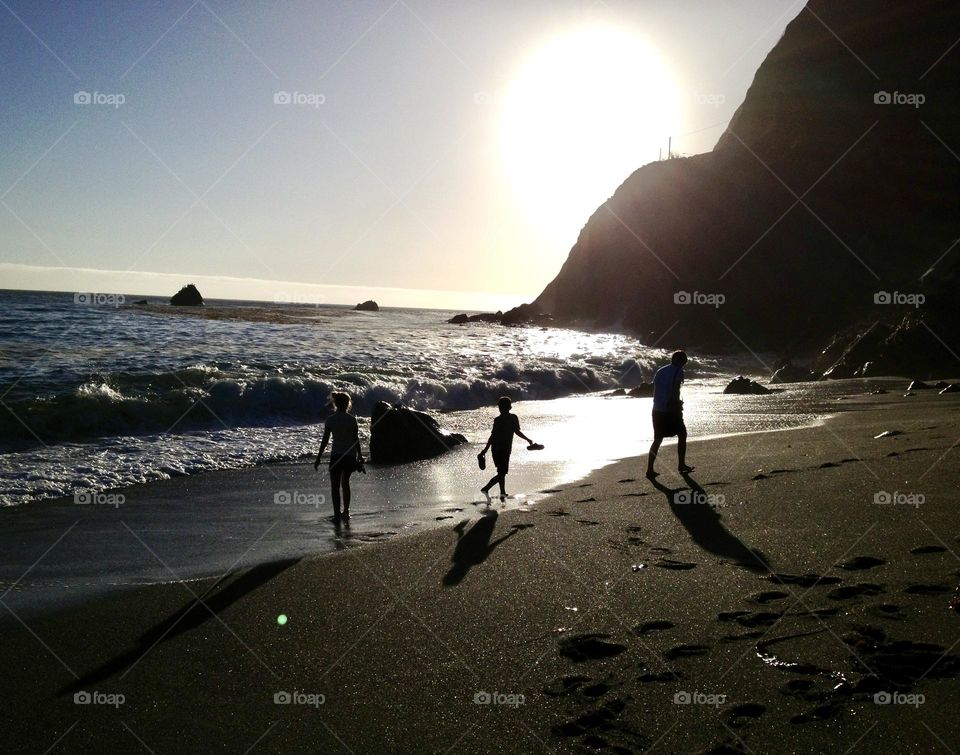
{"x": 388, "y": 173}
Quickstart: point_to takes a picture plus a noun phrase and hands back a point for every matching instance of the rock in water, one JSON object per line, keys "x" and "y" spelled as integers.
{"x": 744, "y": 386}
{"x": 918, "y": 385}
{"x": 398, "y": 434}
{"x": 367, "y": 306}
{"x": 188, "y": 296}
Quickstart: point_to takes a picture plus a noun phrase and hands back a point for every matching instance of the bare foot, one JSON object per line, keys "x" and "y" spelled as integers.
{"x": 651, "y": 474}
{"x": 685, "y": 468}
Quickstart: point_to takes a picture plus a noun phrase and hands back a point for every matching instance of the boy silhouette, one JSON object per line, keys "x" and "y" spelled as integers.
{"x": 501, "y": 442}
{"x": 668, "y": 412}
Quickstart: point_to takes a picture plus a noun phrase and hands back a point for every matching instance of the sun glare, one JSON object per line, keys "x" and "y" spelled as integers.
{"x": 584, "y": 111}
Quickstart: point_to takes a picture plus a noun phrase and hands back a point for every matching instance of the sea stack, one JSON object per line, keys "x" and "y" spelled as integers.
{"x": 367, "y": 306}
{"x": 188, "y": 296}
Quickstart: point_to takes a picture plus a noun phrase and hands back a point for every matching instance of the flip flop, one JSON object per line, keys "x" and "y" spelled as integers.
{"x": 535, "y": 447}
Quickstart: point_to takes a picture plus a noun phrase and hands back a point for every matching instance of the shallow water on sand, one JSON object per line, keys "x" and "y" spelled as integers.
{"x": 207, "y": 524}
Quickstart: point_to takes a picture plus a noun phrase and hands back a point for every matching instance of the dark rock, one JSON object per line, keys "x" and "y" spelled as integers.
{"x": 140, "y": 303}
{"x": 398, "y": 434}
{"x": 744, "y": 386}
{"x": 495, "y": 317}
{"x": 954, "y": 388}
{"x": 188, "y": 296}
{"x": 618, "y": 392}
{"x": 918, "y": 385}
{"x": 791, "y": 373}
{"x": 644, "y": 390}
{"x": 367, "y": 306}
{"x": 941, "y": 384}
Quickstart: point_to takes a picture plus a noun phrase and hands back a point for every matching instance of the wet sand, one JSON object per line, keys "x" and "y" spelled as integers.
{"x": 769, "y": 602}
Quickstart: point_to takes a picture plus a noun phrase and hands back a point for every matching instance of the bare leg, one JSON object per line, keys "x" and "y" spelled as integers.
{"x": 335, "y": 475}
{"x": 493, "y": 481}
{"x": 345, "y": 484}
{"x": 682, "y": 451}
{"x": 502, "y": 479}
{"x": 652, "y": 455}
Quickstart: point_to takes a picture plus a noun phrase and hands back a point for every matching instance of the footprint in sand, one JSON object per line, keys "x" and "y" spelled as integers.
{"x": 584, "y": 485}
{"x": 552, "y": 490}
{"x": 588, "y": 522}
{"x": 589, "y": 647}
{"x": 861, "y": 563}
{"x": 803, "y": 580}
{"x": 559, "y": 513}
{"x": 923, "y": 550}
{"x": 887, "y": 611}
{"x": 633, "y": 495}
{"x": 855, "y": 591}
{"x": 768, "y": 596}
{"x": 658, "y": 625}
{"x": 669, "y": 563}
{"x": 828, "y": 465}
{"x": 635, "y": 528}
{"x": 663, "y": 676}
{"x": 750, "y": 619}
{"x": 760, "y": 476}
{"x": 740, "y": 715}
{"x": 565, "y": 685}
{"x": 585, "y": 500}
{"x": 928, "y": 589}
{"x": 658, "y": 549}
{"x": 441, "y": 518}
{"x": 686, "y": 651}
{"x": 627, "y": 479}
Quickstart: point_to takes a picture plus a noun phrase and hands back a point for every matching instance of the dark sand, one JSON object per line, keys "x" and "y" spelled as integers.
{"x": 599, "y": 608}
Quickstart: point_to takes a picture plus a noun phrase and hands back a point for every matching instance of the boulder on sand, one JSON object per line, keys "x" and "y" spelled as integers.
{"x": 398, "y": 434}
{"x": 188, "y": 296}
{"x": 644, "y": 390}
{"x": 744, "y": 386}
{"x": 367, "y": 306}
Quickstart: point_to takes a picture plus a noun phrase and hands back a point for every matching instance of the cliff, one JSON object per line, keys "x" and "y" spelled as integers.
{"x": 819, "y": 197}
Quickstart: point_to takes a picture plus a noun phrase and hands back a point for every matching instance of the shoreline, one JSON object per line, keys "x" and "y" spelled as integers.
{"x": 71, "y": 576}
{"x": 546, "y": 604}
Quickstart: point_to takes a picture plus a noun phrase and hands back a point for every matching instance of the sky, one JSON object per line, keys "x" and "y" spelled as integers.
{"x": 420, "y": 152}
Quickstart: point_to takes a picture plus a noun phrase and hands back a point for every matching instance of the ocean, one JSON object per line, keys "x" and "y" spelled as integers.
{"x": 140, "y": 444}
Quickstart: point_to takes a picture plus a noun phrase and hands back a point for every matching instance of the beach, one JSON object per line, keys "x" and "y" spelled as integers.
{"x": 790, "y": 595}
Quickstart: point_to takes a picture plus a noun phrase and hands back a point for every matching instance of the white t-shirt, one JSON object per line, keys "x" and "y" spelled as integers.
{"x": 663, "y": 383}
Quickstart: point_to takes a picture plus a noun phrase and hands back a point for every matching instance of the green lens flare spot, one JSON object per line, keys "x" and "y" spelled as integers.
{"x": 282, "y": 619}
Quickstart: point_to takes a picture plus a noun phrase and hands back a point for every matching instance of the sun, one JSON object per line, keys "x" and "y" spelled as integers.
{"x": 584, "y": 111}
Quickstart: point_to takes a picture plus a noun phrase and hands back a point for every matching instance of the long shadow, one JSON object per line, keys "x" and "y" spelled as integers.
{"x": 706, "y": 528}
{"x": 220, "y": 596}
{"x": 474, "y": 546}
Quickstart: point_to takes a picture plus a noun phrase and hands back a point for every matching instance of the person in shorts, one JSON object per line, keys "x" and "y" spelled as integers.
{"x": 500, "y": 444}
{"x": 668, "y": 412}
{"x": 345, "y": 455}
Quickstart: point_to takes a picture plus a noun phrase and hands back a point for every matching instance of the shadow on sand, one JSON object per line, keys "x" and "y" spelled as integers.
{"x": 707, "y": 530}
{"x": 220, "y": 596}
{"x": 474, "y": 546}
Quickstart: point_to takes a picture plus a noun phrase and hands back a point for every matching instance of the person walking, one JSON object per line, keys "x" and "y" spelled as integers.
{"x": 500, "y": 441}
{"x": 668, "y": 412}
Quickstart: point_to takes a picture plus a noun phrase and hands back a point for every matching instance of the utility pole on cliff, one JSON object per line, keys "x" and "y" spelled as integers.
{"x": 669, "y": 147}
